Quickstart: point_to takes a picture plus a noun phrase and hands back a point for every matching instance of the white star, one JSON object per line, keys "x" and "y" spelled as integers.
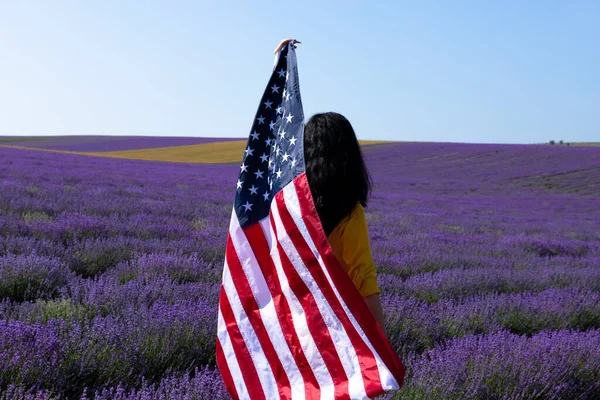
{"x": 289, "y": 118}
{"x": 247, "y": 206}
{"x": 261, "y": 120}
{"x": 275, "y": 89}
{"x": 253, "y": 190}
{"x": 254, "y": 135}
{"x": 278, "y": 109}
{"x": 277, "y": 151}
{"x": 239, "y": 184}
{"x": 244, "y": 168}
{"x": 271, "y": 185}
{"x": 279, "y": 173}
{"x": 249, "y": 151}
{"x": 268, "y": 104}
{"x": 282, "y": 134}
{"x": 265, "y": 195}
{"x": 284, "y": 91}
{"x": 287, "y": 97}
{"x": 281, "y": 73}
{"x": 287, "y": 75}
{"x": 285, "y": 156}
{"x": 270, "y": 163}
{"x": 268, "y": 141}
{"x": 292, "y": 141}
{"x": 272, "y": 125}
{"x": 294, "y": 161}
{"x": 259, "y": 174}
{"x": 264, "y": 158}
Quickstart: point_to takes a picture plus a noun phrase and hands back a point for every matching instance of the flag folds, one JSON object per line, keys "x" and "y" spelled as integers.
{"x": 291, "y": 324}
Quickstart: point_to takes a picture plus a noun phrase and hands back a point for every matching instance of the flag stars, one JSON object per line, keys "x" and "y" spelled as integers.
{"x": 261, "y": 119}
{"x": 293, "y": 163}
{"x": 253, "y": 189}
{"x": 281, "y": 73}
{"x": 264, "y": 158}
{"x": 268, "y": 104}
{"x": 265, "y": 195}
{"x": 293, "y": 141}
{"x": 239, "y": 184}
{"x": 243, "y": 168}
{"x": 279, "y": 173}
{"x": 249, "y": 151}
{"x": 272, "y": 125}
{"x": 289, "y": 117}
{"x": 287, "y": 96}
{"x": 247, "y": 206}
{"x": 254, "y": 135}
{"x": 259, "y": 174}
{"x": 268, "y": 141}
{"x": 285, "y": 156}
{"x": 278, "y": 110}
{"x": 282, "y": 134}
{"x": 275, "y": 88}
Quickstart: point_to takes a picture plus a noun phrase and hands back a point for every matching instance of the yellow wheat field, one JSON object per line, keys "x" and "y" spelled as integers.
{"x": 205, "y": 153}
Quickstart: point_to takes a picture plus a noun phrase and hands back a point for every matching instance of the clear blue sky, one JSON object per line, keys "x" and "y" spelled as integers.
{"x": 456, "y": 71}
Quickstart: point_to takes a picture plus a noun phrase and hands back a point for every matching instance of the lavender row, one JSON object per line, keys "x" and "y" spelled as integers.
{"x": 414, "y": 325}
{"x": 561, "y": 364}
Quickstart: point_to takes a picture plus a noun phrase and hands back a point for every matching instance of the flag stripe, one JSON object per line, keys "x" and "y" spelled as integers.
{"x": 365, "y": 363}
{"x": 300, "y": 321}
{"x": 224, "y": 370}
{"x": 242, "y": 354}
{"x": 252, "y": 311}
{"x": 359, "y": 309}
{"x": 260, "y": 247}
{"x": 384, "y": 379}
{"x": 229, "y": 361}
{"x": 316, "y": 324}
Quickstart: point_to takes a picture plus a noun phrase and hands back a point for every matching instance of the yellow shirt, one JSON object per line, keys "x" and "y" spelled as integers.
{"x": 350, "y": 243}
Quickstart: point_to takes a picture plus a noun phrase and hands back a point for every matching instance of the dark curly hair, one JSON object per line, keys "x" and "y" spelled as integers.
{"x": 335, "y": 168}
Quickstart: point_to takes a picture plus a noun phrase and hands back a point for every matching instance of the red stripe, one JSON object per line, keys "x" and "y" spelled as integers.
{"x": 260, "y": 248}
{"x": 341, "y": 280}
{"x": 252, "y": 310}
{"x": 225, "y": 373}
{"x": 366, "y": 359}
{"x": 249, "y": 373}
{"x": 316, "y": 325}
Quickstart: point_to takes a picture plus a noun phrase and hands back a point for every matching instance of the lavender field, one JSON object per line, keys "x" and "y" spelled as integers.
{"x": 488, "y": 259}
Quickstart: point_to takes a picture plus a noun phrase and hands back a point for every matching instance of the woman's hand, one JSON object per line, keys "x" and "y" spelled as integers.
{"x": 284, "y": 42}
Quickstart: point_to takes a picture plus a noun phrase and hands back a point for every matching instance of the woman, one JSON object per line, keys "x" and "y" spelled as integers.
{"x": 340, "y": 185}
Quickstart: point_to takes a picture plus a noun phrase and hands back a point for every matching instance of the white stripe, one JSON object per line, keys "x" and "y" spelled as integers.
{"x": 267, "y": 310}
{"x": 313, "y": 356}
{"x": 292, "y": 203}
{"x": 263, "y": 369}
{"x": 230, "y": 359}
{"x": 341, "y": 341}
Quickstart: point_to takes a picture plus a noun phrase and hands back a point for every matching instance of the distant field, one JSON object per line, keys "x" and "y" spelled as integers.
{"x": 584, "y": 144}
{"x": 206, "y": 151}
{"x": 105, "y": 143}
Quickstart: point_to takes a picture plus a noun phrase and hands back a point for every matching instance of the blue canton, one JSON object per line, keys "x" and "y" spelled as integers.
{"x": 274, "y": 153}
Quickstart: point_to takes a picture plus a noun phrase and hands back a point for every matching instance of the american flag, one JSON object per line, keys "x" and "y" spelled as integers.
{"x": 291, "y": 323}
